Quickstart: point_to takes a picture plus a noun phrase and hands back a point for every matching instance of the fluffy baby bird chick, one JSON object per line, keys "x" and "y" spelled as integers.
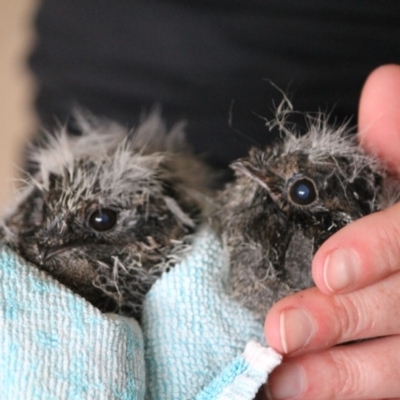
{"x": 108, "y": 212}
{"x": 285, "y": 201}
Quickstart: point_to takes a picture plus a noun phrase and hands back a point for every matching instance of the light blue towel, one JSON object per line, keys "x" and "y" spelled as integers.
{"x": 244, "y": 376}
{"x": 192, "y": 328}
{"x": 54, "y": 345}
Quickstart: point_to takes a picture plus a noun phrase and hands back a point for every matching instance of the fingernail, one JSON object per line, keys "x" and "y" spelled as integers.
{"x": 296, "y": 328}
{"x": 341, "y": 269}
{"x": 289, "y": 381}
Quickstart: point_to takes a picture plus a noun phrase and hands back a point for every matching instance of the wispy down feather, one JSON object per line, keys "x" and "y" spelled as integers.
{"x": 287, "y": 199}
{"x": 108, "y": 212}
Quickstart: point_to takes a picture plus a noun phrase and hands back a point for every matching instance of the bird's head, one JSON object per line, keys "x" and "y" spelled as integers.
{"x": 105, "y": 213}
{"x": 285, "y": 201}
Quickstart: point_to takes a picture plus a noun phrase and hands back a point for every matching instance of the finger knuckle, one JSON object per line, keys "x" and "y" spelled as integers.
{"x": 346, "y": 375}
{"x": 351, "y": 321}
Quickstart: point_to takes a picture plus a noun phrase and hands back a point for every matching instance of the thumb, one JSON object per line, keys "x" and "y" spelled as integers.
{"x": 379, "y": 114}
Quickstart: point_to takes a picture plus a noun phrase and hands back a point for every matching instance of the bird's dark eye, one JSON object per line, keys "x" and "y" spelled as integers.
{"x": 303, "y": 192}
{"x": 103, "y": 219}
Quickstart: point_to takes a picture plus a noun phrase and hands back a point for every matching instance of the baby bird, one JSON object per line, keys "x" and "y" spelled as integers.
{"x": 286, "y": 200}
{"x": 108, "y": 212}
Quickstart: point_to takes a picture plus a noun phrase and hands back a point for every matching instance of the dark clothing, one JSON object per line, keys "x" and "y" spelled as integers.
{"x": 203, "y": 60}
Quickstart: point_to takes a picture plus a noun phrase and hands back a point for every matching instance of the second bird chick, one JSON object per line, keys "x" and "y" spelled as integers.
{"x": 286, "y": 200}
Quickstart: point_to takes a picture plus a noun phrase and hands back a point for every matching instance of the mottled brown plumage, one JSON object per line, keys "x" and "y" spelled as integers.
{"x": 109, "y": 212}
{"x": 286, "y": 200}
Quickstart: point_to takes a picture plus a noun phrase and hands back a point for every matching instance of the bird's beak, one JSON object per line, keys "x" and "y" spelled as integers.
{"x": 46, "y": 253}
{"x": 246, "y": 168}
{"x": 256, "y": 174}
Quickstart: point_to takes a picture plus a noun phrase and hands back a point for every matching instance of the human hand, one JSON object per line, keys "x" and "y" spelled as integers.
{"x": 357, "y": 274}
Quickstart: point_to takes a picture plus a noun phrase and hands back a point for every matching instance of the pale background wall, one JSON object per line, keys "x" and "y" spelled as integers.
{"x": 17, "y": 120}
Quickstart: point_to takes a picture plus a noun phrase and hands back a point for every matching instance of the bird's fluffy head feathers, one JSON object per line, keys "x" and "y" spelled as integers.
{"x": 145, "y": 188}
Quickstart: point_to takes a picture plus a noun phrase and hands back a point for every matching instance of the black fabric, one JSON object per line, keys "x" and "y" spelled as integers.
{"x": 205, "y": 60}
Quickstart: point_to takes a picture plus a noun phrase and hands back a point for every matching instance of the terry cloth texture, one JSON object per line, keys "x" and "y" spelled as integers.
{"x": 56, "y": 346}
{"x": 192, "y": 328}
{"x": 244, "y": 376}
